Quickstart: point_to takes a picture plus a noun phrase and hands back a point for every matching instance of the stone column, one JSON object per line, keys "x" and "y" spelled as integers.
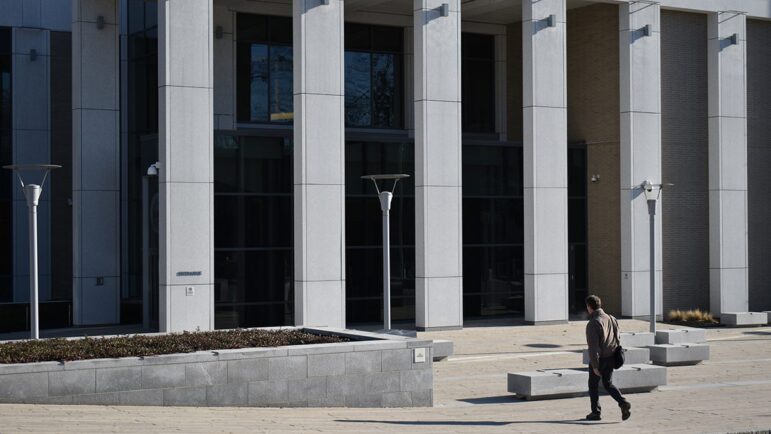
{"x": 640, "y": 153}
{"x": 727, "y": 82}
{"x": 438, "y": 210}
{"x": 185, "y": 148}
{"x": 96, "y": 162}
{"x": 545, "y": 160}
{"x": 319, "y": 163}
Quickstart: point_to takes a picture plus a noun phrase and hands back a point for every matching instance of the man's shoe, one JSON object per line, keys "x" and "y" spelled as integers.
{"x": 626, "y": 410}
{"x": 593, "y": 416}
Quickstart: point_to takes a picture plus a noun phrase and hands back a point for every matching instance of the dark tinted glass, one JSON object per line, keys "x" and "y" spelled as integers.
{"x": 385, "y": 96}
{"x": 388, "y": 39}
{"x": 253, "y": 230}
{"x": 252, "y": 28}
{"x": 478, "y": 83}
{"x": 358, "y": 37}
{"x": 364, "y": 290}
{"x": 6, "y": 177}
{"x": 280, "y": 30}
{"x": 281, "y": 103}
{"x": 358, "y": 88}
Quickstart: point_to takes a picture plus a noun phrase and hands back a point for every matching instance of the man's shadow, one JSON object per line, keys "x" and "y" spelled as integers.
{"x": 475, "y": 423}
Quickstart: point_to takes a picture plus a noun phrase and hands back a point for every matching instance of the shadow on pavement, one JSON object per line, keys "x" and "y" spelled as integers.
{"x": 503, "y": 399}
{"x": 474, "y": 422}
{"x": 543, "y": 345}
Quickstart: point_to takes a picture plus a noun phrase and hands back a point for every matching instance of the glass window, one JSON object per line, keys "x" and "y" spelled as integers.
{"x": 253, "y": 231}
{"x": 6, "y": 178}
{"x": 264, "y": 69}
{"x": 363, "y": 233}
{"x": 373, "y": 76}
{"x": 478, "y": 83}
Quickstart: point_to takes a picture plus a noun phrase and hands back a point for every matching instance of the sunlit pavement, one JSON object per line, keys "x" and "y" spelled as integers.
{"x": 729, "y": 393}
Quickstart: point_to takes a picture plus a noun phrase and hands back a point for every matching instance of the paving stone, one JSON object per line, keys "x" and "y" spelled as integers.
{"x": 227, "y": 395}
{"x": 382, "y": 382}
{"x": 288, "y": 368}
{"x": 323, "y": 365}
{"x": 397, "y": 399}
{"x": 61, "y": 383}
{"x": 411, "y": 381}
{"x": 247, "y": 370}
{"x": 397, "y": 360}
{"x": 268, "y": 392}
{"x": 306, "y": 389}
{"x": 112, "y": 398}
{"x": 163, "y": 376}
{"x": 363, "y": 362}
{"x": 23, "y": 386}
{"x": 346, "y": 385}
{"x": 152, "y": 397}
{"x": 206, "y": 374}
{"x": 185, "y": 396}
{"x": 118, "y": 379}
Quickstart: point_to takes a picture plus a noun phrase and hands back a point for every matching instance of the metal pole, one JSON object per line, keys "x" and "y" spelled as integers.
{"x": 146, "y": 252}
{"x": 652, "y": 214}
{"x": 32, "y": 194}
{"x": 385, "y": 206}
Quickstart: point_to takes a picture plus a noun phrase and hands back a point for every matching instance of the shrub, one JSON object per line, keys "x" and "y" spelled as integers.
{"x": 143, "y": 345}
{"x": 692, "y": 315}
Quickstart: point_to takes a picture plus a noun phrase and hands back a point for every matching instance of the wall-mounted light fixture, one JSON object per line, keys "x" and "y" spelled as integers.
{"x": 551, "y": 21}
{"x": 444, "y": 10}
{"x": 218, "y": 32}
{"x": 100, "y": 22}
{"x": 595, "y": 178}
{"x": 646, "y": 30}
{"x": 32, "y": 54}
{"x": 734, "y": 39}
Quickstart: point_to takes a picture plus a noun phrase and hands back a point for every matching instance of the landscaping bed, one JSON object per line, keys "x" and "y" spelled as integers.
{"x": 58, "y": 350}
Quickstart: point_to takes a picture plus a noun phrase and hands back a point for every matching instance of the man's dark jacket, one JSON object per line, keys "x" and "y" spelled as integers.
{"x": 601, "y": 336}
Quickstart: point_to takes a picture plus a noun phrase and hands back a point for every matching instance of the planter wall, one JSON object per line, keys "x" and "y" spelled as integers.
{"x": 379, "y": 372}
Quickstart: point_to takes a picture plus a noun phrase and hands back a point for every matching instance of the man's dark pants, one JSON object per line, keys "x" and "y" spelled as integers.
{"x": 606, "y": 371}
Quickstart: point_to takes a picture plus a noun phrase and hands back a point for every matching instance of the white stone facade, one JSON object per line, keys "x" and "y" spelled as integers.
{"x": 198, "y": 94}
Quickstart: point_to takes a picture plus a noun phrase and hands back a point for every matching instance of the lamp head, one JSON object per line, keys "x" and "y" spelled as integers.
{"x": 153, "y": 170}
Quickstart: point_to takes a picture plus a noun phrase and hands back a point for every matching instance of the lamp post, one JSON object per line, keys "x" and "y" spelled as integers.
{"x": 385, "y": 206}
{"x": 32, "y": 193}
{"x": 652, "y": 192}
{"x": 152, "y": 172}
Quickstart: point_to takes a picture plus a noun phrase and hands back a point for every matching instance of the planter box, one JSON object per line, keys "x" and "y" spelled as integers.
{"x": 373, "y": 370}
{"x": 744, "y": 319}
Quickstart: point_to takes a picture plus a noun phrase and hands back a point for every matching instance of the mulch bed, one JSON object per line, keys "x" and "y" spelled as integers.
{"x": 55, "y": 350}
{"x": 697, "y": 324}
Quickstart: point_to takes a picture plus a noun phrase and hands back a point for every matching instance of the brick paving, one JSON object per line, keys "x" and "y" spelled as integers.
{"x": 729, "y": 393}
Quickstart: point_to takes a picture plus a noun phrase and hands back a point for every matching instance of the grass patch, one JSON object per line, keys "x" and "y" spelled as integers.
{"x": 690, "y": 316}
{"x": 55, "y": 350}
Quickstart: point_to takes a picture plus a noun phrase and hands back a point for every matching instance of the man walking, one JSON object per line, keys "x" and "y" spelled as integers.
{"x": 603, "y": 339}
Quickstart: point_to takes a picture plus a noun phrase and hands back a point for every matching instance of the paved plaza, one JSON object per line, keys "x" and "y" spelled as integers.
{"x": 729, "y": 393}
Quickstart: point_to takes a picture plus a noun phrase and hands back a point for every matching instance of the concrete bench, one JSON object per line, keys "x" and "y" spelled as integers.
{"x": 443, "y": 349}
{"x": 632, "y": 356}
{"x": 768, "y": 312}
{"x": 637, "y": 340}
{"x": 681, "y": 336}
{"x": 563, "y": 383}
{"x": 746, "y": 319}
{"x": 679, "y": 354}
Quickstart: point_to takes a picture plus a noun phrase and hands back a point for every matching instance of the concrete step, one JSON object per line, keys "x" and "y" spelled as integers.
{"x": 679, "y": 354}
{"x": 681, "y": 336}
{"x": 632, "y": 356}
{"x": 563, "y": 383}
{"x": 637, "y": 340}
{"x": 744, "y": 319}
{"x": 443, "y": 349}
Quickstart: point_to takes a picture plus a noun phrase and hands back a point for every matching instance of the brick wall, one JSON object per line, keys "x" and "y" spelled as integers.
{"x": 684, "y": 130}
{"x": 593, "y": 118}
{"x": 759, "y": 161}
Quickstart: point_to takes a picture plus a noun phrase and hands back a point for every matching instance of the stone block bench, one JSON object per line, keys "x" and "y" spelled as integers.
{"x": 744, "y": 319}
{"x": 564, "y": 383}
{"x": 442, "y": 349}
{"x": 679, "y": 354}
{"x": 633, "y": 356}
{"x": 637, "y": 340}
{"x": 681, "y": 336}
